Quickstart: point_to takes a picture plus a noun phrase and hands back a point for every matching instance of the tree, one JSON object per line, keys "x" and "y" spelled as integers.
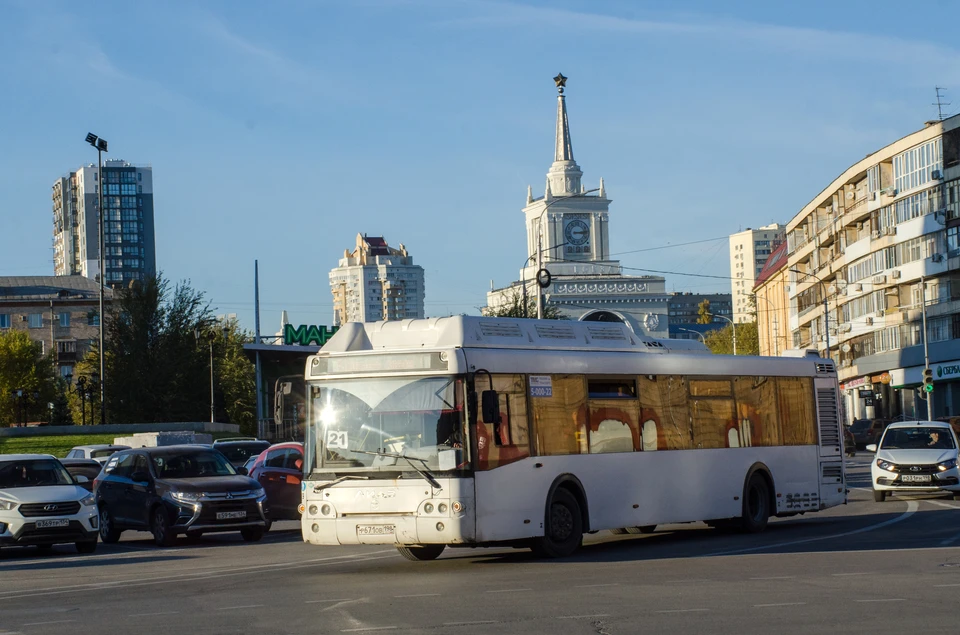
{"x": 237, "y": 378}
{"x": 704, "y": 316}
{"x": 513, "y": 307}
{"x": 155, "y": 369}
{"x": 24, "y": 367}
{"x": 720, "y": 341}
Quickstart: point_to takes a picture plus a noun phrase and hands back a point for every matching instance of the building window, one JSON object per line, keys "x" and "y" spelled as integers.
{"x": 65, "y": 319}
{"x": 93, "y": 319}
{"x": 4, "y": 321}
{"x": 35, "y": 320}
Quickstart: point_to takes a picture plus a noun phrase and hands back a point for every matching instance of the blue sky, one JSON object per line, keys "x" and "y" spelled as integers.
{"x": 278, "y": 131}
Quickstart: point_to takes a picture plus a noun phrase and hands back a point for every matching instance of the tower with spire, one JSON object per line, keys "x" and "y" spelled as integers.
{"x": 568, "y": 228}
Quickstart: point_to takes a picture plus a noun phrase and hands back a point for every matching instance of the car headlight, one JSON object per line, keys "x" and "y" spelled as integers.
{"x": 887, "y": 465}
{"x": 89, "y": 500}
{"x": 7, "y": 506}
{"x": 185, "y": 497}
{"x": 947, "y": 465}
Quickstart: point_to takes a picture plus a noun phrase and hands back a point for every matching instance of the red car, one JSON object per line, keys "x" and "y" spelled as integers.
{"x": 279, "y": 469}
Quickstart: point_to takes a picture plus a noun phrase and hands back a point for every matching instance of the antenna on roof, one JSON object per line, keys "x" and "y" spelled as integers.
{"x": 940, "y": 103}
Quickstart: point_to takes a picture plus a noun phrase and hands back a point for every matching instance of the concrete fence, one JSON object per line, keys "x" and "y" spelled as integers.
{"x": 119, "y": 429}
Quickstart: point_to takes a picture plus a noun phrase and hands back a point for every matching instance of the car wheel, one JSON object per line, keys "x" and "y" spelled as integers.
{"x": 163, "y": 536}
{"x": 563, "y": 532}
{"x": 252, "y": 534}
{"x": 879, "y": 496}
{"x": 109, "y": 533}
{"x": 86, "y": 547}
{"x": 422, "y": 553}
{"x": 756, "y": 504}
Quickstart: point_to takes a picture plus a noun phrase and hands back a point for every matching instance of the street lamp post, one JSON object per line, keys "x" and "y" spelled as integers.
{"x": 733, "y": 324}
{"x": 18, "y": 395}
{"x": 826, "y": 313}
{"x": 82, "y": 391}
{"x": 101, "y": 145}
{"x": 540, "y": 243}
{"x": 702, "y": 339}
{"x": 199, "y": 335}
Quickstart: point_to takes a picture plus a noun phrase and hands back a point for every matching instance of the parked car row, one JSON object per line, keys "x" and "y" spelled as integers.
{"x": 168, "y": 491}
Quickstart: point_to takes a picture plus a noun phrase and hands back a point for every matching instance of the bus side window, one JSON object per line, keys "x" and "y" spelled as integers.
{"x": 664, "y": 405}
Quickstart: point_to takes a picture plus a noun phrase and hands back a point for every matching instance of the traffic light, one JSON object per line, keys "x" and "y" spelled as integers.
{"x": 928, "y": 379}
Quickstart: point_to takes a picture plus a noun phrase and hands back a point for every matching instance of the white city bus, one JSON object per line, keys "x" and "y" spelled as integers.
{"x": 473, "y": 431}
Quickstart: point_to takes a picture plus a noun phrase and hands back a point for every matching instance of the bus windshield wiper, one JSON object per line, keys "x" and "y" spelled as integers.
{"x": 323, "y": 486}
{"x": 424, "y": 472}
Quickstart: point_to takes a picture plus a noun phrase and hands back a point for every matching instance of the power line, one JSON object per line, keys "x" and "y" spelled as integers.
{"x": 668, "y": 246}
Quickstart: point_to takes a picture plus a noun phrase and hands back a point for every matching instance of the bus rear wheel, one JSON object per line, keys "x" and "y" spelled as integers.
{"x": 563, "y": 531}
{"x": 424, "y": 552}
{"x": 756, "y": 505}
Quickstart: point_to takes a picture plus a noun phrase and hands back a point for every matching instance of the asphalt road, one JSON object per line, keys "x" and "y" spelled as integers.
{"x": 866, "y": 567}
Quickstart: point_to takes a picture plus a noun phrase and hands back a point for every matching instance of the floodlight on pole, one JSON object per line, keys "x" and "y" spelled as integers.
{"x": 101, "y": 145}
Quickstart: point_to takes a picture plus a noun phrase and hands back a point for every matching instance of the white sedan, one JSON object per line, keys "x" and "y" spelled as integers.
{"x": 915, "y": 457}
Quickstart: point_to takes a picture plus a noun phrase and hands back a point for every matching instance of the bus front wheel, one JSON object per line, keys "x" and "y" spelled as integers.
{"x": 424, "y": 552}
{"x": 563, "y": 530}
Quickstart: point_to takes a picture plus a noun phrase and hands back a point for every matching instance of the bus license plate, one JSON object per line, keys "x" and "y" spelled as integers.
{"x": 375, "y": 530}
{"x": 230, "y": 515}
{"x": 44, "y": 524}
{"x": 915, "y": 478}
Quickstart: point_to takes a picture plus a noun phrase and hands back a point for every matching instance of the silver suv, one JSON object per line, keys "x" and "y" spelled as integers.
{"x": 42, "y": 505}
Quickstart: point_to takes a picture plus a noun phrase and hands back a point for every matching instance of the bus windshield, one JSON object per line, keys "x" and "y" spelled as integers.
{"x": 387, "y": 424}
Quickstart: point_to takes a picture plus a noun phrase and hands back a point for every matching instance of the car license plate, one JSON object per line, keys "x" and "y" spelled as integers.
{"x": 44, "y": 524}
{"x": 915, "y": 478}
{"x": 230, "y": 515}
{"x": 375, "y": 530}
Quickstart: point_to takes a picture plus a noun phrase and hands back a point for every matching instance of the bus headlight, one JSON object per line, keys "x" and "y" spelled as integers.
{"x": 457, "y": 507}
{"x": 442, "y": 508}
{"x": 325, "y": 510}
{"x": 428, "y": 508}
{"x": 313, "y": 510}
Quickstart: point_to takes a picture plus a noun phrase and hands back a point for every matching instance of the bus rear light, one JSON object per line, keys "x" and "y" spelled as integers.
{"x": 457, "y": 506}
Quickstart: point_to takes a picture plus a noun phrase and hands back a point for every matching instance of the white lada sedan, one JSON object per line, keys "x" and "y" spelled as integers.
{"x": 42, "y": 505}
{"x": 915, "y": 457}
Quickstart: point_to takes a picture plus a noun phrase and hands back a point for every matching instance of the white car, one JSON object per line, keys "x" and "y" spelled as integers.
{"x": 98, "y": 452}
{"x": 915, "y": 457}
{"x": 42, "y": 505}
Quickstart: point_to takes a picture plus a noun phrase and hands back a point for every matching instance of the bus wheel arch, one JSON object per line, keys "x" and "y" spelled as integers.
{"x": 564, "y": 520}
{"x": 759, "y": 498}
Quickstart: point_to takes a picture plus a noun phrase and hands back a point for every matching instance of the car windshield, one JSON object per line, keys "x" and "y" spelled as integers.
{"x": 99, "y": 454}
{"x": 919, "y": 438}
{"x": 375, "y": 423}
{"x": 192, "y": 464}
{"x": 860, "y": 425}
{"x": 239, "y": 452}
{"x": 33, "y": 473}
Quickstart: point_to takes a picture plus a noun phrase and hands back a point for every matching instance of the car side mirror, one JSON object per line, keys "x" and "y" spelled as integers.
{"x": 872, "y": 447}
{"x": 490, "y": 406}
{"x": 242, "y": 471}
{"x": 80, "y": 478}
{"x": 140, "y": 477}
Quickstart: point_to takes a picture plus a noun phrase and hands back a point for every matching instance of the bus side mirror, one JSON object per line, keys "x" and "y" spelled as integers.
{"x": 490, "y": 406}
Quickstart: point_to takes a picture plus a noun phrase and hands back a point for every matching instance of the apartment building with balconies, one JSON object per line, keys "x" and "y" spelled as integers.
{"x": 865, "y": 257}
{"x": 60, "y": 313}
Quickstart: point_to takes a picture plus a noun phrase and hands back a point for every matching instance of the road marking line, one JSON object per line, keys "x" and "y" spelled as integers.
{"x": 190, "y": 577}
{"x": 942, "y": 504}
{"x": 760, "y": 606}
{"x": 777, "y": 577}
{"x": 320, "y": 601}
{"x": 369, "y": 628}
{"x": 581, "y": 617}
{"x": 912, "y": 507}
{"x": 591, "y": 586}
{"x": 54, "y": 622}
{"x": 419, "y": 595}
{"x": 469, "y": 623}
{"x": 508, "y": 590}
{"x": 152, "y": 614}
{"x": 883, "y": 600}
{"x": 945, "y": 585}
{"x": 682, "y": 610}
{"x": 845, "y": 574}
{"x": 244, "y": 606}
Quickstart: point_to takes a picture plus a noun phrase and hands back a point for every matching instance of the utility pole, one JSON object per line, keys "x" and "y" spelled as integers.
{"x": 926, "y": 352}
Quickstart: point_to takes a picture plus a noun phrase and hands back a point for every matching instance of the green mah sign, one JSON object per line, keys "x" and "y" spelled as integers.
{"x": 305, "y": 335}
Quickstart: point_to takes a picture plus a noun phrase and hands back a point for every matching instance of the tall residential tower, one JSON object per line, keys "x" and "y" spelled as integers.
{"x": 130, "y": 251}
{"x": 749, "y": 251}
